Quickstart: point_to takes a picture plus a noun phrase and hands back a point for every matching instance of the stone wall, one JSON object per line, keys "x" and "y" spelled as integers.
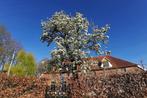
{"x": 113, "y": 71}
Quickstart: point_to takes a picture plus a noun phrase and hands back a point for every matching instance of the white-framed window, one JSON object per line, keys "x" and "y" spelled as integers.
{"x": 106, "y": 64}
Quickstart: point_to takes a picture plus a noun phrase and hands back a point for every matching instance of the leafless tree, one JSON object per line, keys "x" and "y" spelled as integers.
{"x": 7, "y": 47}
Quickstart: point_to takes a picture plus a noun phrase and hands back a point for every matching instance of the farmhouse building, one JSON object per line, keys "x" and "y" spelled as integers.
{"x": 100, "y": 66}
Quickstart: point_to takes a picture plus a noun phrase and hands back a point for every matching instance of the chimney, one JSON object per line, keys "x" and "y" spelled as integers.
{"x": 108, "y": 53}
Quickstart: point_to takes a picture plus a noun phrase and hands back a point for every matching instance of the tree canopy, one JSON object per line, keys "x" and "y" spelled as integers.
{"x": 74, "y": 38}
{"x": 25, "y": 64}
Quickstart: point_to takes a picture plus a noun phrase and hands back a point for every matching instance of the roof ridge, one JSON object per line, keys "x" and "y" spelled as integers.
{"x": 121, "y": 59}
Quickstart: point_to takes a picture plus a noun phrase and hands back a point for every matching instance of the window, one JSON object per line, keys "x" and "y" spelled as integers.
{"x": 99, "y": 64}
{"x": 106, "y": 64}
{"x": 123, "y": 69}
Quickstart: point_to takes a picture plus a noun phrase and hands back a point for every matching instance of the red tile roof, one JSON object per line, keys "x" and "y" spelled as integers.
{"x": 115, "y": 62}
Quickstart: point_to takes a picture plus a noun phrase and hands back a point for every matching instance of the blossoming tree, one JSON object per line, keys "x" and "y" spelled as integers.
{"x": 74, "y": 38}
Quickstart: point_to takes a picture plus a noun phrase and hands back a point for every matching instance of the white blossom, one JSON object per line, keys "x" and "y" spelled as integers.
{"x": 72, "y": 36}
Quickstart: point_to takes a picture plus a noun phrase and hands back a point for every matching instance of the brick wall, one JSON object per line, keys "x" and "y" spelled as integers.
{"x": 98, "y": 72}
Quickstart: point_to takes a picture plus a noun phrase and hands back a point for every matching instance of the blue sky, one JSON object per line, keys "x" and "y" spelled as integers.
{"x": 128, "y": 19}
